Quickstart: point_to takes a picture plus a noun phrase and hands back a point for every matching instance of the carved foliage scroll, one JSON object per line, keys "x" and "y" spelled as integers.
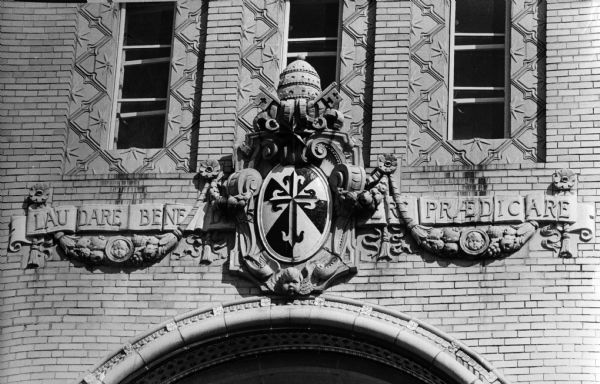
{"x": 427, "y": 142}
{"x": 93, "y": 89}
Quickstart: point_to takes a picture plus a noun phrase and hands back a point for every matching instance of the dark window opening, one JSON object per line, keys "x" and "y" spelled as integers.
{"x": 142, "y": 91}
{"x": 313, "y": 35}
{"x": 479, "y": 70}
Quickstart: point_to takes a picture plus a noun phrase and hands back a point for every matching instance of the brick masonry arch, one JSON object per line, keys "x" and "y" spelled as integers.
{"x": 200, "y": 339}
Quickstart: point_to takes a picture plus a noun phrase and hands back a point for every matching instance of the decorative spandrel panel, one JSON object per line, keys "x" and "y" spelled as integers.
{"x": 92, "y": 87}
{"x": 527, "y": 73}
{"x": 430, "y": 57}
{"x": 262, "y": 37}
{"x": 356, "y": 60}
{"x": 428, "y": 82}
{"x": 89, "y": 148}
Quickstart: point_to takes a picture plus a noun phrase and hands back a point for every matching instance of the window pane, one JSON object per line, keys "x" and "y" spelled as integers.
{"x": 480, "y": 40}
{"x": 312, "y": 46}
{"x": 479, "y": 68}
{"x": 477, "y": 93}
{"x": 148, "y": 23}
{"x": 480, "y": 16}
{"x": 325, "y": 67}
{"x": 142, "y": 106}
{"x": 313, "y": 19}
{"x": 141, "y": 132}
{"x": 138, "y": 54}
{"x": 144, "y": 81}
{"x": 478, "y": 120}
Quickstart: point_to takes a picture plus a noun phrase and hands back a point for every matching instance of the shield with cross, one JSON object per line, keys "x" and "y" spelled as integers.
{"x": 294, "y": 212}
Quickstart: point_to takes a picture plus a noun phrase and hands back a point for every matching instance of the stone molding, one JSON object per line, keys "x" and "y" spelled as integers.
{"x": 396, "y": 330}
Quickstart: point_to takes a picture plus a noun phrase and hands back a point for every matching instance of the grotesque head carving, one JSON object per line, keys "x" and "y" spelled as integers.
{"x": 564, "y": 179}
{"x": 39, "y": 194}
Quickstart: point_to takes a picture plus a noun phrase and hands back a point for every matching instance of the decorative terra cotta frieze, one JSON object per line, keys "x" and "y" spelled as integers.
{"x": 299, "y": 211}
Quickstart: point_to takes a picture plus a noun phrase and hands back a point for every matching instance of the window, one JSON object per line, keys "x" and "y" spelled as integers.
{"x": 478, "y": 74}
{"x": 141, "y": 91}
{"x": 313, "y": 34}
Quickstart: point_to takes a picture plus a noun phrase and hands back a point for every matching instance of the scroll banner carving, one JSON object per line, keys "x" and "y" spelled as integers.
{"x": 121, "y": 234}
{"x": 489, "y": 226}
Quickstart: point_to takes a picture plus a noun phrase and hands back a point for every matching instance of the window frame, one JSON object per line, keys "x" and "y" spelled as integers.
{"x": 507, "y": 83}
{"x": 112, "y": 136}
{"x": 286, "y": 39}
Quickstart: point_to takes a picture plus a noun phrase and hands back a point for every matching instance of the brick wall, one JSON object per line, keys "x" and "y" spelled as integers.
{"x": 535, "y": 316}
{"x": 390, "y": 79}
{"x": 220, "y": 79}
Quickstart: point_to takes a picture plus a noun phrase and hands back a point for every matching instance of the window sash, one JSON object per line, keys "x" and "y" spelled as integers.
{"x": 452, "y": 101}
{"x": 478, "y": 47}
{"x": 312, "y": 54}
{"x": 116, "y": 114}
{"x": 478, "y": 34}
{"x": 479, "y": 100}
{"x": 151, "y": 46}
{"x": 309, "y": 39}
{"x": 128, "y": 115}
{"x": 146, "y": 61}
{"x": 286, "y": 54}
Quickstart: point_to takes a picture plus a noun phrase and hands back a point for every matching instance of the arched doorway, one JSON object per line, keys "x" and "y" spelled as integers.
{"x": 309, "y": 341}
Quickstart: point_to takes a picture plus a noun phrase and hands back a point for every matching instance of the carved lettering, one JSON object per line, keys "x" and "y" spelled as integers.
{"x": 560, "y": 208}
{"x": 61, "y": 216}
{"x": 157, "y": 216}
{"x": 447, "y": 211}
{"x": 514, "y": 208}
{"x": 175, "y": 215}
{"x": 431, "y": 209}
{"x": 49, "y": 220}
{"x": 100, "y": 218}
{"x": 96, "y": 218}
{"x": 117, "y": 216}
{"x": 550, "y": 209}
{"x": 485, "y": 208}
{"x": 40, "y": 223}
{"x": 533, "y": 207}
{"x": 82, "y": 218}
{"x": 143, "y": 217}
{"x": 106, "y": 213}
{"x": 509, "y": 209}
{"x": 469, "y": 208}
{"x": 563, "y": 212}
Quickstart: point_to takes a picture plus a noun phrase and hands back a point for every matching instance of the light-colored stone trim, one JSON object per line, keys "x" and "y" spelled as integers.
{"x": 395, "y": 329}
